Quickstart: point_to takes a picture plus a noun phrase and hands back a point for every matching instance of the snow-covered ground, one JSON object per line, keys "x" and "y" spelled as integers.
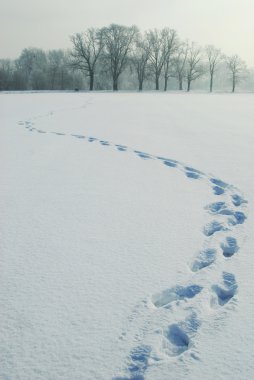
{"x": 123, "y": 254}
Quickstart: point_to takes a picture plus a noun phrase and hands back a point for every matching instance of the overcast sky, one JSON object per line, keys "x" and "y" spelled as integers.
{"x": 47, "y": 24}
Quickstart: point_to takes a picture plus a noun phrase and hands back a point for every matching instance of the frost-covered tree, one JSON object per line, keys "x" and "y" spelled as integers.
{"x": 118, "y": 41}
{"x": 194, "y": 66}
{"x": 179, "y": 64}
{"x": 170, "y": 44}
{"x": 237, "y": 69}
{"x": 214, "y": 57}
{"x": 86, "y": 50}
{"x": 139, "y": 58}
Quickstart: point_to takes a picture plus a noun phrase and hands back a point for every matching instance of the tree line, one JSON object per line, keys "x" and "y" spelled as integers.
{"x": 103, "y": 58}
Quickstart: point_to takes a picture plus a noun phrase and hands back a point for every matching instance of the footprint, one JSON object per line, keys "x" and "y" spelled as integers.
{"x": 79, "y": 136}
{"x": 172, "y": 164}
{"x": 213, "y": 227}
{"x": 229, "y": 247}
{"x": 91, "y": 139}
{"x": 167, "y": 159}
{"x": 219, "y": 183}
{"x": 121, "y": 148}
{"x": 225, "y": 294}
{"x": 239, "y": 218}
{"x": 218, "y": 190}
{"x": 142, "y": 154}
{"x": 139, "y": 360}
{"x": 58, "y": 133}
{"x": 216, "y": 207}
{"x": 192, "y": 175}
{"x": 179, "y": 335}
{"x": 238, "y": 200}
{"x": 176, "y": 293}
{"x": 39, "y": 131}
{"x": 102, "y": 142}
{"x": 204, "y": 259}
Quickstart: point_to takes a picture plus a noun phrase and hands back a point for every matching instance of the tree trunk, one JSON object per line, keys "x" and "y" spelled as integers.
{"x": 189, "y": 83}
{"x": 157, "y": 86}
{"x": 211, "y": 82}
{"x": 166, "y": 83}
{"x": 180, "y": 83}
{"x": 140, "y": 87}
{"x": 115, "y": 84}
{"x": 233, "y": 88}
{"x": 91, "y": 81}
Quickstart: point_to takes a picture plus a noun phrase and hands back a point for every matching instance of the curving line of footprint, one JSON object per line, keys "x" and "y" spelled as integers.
{"x": 222, "y": 236}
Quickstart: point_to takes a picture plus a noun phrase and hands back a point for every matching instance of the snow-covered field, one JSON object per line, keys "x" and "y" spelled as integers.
{"x": 123, "y": 254}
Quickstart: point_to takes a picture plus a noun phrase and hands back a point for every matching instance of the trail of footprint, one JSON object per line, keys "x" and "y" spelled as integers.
{"x": 179, "y": 336}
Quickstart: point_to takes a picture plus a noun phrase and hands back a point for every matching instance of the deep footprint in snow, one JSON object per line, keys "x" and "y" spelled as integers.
{"x": 219, "y": 183}
{"x": 58, "y": 133}
{"x": 226, "y": 293}
{"x": 79, "y": 136}
{"x": 142, "y": 154}
{"x": 229, "y": 247}
{"x": 218, "y": 190}
{"x": 176, "y": 293}
{"x": 213, "y": 227}
{"x": 238, "y": 218}
{"x": 204, "y": 259}
{"x": 103, "y": 142}
{"x": 238, "y": 200}
{"x": 169, "y": 163}
{"x": 92, "y": 139}
{"x": 121, "y": 148}
{"x": 179, "y": 335}
{"x": 139, "y": 360}
{"x": 192, "y": 173}
{"x": 216, "y": 207}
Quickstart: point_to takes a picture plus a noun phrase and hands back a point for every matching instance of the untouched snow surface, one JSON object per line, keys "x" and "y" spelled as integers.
{"x": 126, "y": 236}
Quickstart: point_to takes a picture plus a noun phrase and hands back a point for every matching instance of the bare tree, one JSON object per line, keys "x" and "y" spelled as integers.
{"x": 6, "y": 74}
{"x": 140, "y": 58}
{"x": 237, "y": 68}
{"x": 55, "y": 63}
{"x": 195, "y": 69}
{"x": 87, "y": 48}
{"x": 179, "y": 64}
{"x": 157, "y": 57}
{"x": 169, "y": 48}
{"x": 118, "y": 41}
{"x": 214, "y": 58}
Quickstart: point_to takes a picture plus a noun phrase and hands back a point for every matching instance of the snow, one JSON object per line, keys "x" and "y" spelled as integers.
{"x": 126, "y": 236}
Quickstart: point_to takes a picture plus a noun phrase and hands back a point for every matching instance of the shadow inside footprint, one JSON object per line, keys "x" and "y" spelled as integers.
{"x": 121, "y": 148}
{"x": 218, "y": 190}
{"x": 79, "y": 136}
{"x": 204, "y": 259}
{"x": 239, "y": 218}
{"x": 176, "y": 293}
{"x": 169, "y": 163}
{"x": 219, "y": 183}
{"x": 213, "y": 227}
{"x": 230, "y": 247}
{"x": 139, "y": 357}
{"x": 142, "y": 154}
{"x": 224, "y": 295}
{"x": 238, "y": 200}
{"x": 178, "y": 338}
{"x": 192, "y": 175}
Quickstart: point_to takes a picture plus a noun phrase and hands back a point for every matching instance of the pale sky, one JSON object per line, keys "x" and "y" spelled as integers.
{"x": 47, "y": 24}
